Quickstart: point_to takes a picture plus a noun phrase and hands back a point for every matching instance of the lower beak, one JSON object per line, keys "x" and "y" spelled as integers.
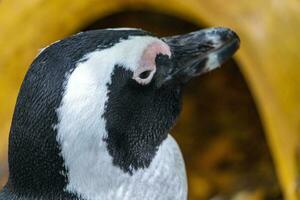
{"x": 198, "y": 52}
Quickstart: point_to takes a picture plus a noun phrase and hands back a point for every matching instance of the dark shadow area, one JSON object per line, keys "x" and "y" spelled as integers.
{"x": 160, "y": 24}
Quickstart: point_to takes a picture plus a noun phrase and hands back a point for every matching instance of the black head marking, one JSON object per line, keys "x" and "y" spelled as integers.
{"x": 138, "y": 119}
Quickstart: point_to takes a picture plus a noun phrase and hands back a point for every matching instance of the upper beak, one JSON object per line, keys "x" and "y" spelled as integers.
{"x": 198, "y": 52}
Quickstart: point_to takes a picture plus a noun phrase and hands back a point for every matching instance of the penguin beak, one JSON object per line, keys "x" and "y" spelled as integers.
{"x": 196, "y": 53}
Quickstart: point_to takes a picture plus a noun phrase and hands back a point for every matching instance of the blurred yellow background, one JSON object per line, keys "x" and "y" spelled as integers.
{"x": 234, "y": 140}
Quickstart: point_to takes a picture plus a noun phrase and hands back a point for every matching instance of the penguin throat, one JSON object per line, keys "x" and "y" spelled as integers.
{"x": 131, "y": 156}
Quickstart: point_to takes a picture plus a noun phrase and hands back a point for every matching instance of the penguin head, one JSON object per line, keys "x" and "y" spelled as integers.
{"x": 104, "y": 99}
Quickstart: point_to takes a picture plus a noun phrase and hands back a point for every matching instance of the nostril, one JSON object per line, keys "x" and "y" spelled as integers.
{"x": 145, "y": 74}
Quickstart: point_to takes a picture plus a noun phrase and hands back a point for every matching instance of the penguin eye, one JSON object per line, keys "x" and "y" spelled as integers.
{"x": 144, "y": 76}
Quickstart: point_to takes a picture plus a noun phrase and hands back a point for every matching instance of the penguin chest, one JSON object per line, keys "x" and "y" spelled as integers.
{"x": 165, "y": 179}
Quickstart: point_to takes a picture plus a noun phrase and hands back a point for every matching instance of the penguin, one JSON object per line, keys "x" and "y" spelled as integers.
{"x": 94, "y": 113}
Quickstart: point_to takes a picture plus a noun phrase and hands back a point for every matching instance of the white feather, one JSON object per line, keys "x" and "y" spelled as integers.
{"x": 212, "y": 62}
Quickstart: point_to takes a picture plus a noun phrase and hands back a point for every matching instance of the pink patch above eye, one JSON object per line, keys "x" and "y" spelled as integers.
{"x": 147, "y": 67}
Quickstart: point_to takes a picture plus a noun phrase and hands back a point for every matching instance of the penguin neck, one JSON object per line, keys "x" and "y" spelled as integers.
{"x": 101, "y": 140}
{"x": 91, "y": 170}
